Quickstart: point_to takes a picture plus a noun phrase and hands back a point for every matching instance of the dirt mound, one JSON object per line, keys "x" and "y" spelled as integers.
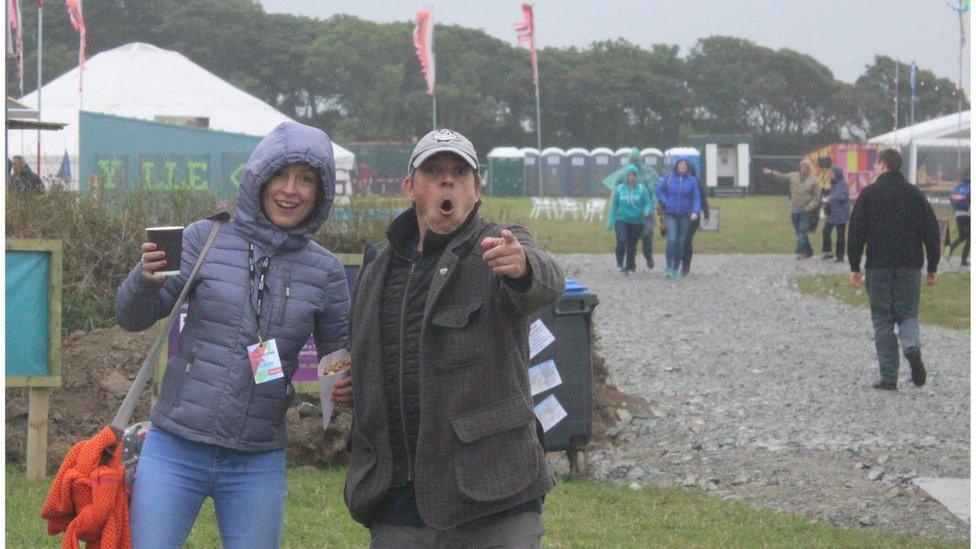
{"x": 98, "y": 367}
{"x": 97, "y": 370}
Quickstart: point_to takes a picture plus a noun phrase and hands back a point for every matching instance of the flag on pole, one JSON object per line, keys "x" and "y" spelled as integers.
{"x": 423, "y": 42}
{"x": 525, "y": 32}
{"x": 912, "y": 81}
{"x": 78, "y": 22}
{"x": 15, "y": 43}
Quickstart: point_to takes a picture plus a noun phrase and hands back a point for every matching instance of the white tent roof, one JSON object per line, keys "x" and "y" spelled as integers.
{"x": 142, "y": 81}
{"x": 938, "y": 128}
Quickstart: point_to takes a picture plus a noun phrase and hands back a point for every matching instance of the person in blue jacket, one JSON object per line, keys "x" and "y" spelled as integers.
{"x": 630, "y": 207}
{"x": 960, "y": 208}
{"x": 218, "y": 428}
{"x": 680, "y": 200}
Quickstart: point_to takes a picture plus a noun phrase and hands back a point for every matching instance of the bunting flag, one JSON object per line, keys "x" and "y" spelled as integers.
{"x": 78, "y": 22}
{"x": 64, "y": 173}
{"x": 423, "y": 42}
{"x": 15, "y": 42}
{"x": 525, "y": 32}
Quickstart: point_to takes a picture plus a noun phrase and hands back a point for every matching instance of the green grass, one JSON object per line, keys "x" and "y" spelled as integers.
{"x": 753, "y": 225}
{"x": 577, "y": 514}
{"x": 946, "y": 304}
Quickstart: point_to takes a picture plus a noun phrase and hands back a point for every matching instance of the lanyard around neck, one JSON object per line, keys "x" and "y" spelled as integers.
{"x": 260, "y": 273}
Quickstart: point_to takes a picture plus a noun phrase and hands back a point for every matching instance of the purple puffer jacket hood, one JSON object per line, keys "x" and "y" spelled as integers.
{"x": 289, "y": 143}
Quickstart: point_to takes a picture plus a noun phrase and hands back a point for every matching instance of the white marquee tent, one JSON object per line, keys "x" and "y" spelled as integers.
{"x": 946, "y": 137}
{"x": 143, "y": 81}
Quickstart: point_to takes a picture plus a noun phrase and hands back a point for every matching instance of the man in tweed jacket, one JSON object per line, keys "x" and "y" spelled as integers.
{"x": 445, "y": 449}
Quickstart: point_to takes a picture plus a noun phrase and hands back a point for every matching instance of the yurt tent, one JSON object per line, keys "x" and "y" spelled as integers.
{"x": 145, "y": 82}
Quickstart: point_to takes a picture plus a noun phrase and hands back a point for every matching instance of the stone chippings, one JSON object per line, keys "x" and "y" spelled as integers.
{"x": 762, "y": 394}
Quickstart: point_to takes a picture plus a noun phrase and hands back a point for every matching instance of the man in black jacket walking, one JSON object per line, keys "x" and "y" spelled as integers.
{"x": 894, "y": 220}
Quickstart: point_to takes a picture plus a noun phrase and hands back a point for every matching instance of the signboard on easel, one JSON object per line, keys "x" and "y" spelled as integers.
{"x": 33, "y": 334}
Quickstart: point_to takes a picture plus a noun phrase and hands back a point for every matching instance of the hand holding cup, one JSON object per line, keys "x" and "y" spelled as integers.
{"x": 152, "y": 261}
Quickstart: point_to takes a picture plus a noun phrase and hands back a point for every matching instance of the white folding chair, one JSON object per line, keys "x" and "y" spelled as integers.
{"x": 571, "y": 207}
{"x": 536, "y": 207}
{"x": 594, "y": 208}
{"x": 551, "y": 208}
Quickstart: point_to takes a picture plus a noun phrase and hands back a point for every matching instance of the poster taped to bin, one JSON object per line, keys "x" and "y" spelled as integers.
{"x": 539, "y": 338}
{"x": 543, "y": 377}
{"x": 550, "y": 412}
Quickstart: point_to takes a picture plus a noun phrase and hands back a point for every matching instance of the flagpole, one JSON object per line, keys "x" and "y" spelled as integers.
{"x": 40, "y": 65}
{"x": 962, "y": 41}
{"x": 897, "y": 70}
{"x": 433, "y": 65}
{"x": 20, "y": 46}
{"x": 538, "y": 131}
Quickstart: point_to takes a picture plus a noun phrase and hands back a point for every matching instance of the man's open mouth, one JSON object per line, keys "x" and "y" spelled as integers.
{"x": 446, "y": 207}
{"x": 286, "y": 205}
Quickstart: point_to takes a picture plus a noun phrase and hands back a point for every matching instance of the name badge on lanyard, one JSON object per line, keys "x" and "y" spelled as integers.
{"x": 265, "y": 362}
{"x": 263, "y": 355}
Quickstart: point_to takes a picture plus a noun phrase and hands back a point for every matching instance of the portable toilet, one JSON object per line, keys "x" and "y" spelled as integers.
{"x": 553, "y": 171}
{"x": 530, "y": 171}
{"x": 653, "y": 159}
{"x": 578, "y": 172}
{"x": 694, "y": 157}
{"x": 602, "y": 162}
{"x": 623, "y": 156}
{"x": 505, "y": 167}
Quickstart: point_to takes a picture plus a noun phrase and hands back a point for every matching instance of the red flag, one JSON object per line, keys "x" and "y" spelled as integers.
{"x": 423, "y": 41}
{"x": 78, "y": 22}
{"x": 525, "y": 31}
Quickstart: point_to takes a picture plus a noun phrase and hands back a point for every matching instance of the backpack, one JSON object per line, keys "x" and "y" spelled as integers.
{"x": 959, "y": 199}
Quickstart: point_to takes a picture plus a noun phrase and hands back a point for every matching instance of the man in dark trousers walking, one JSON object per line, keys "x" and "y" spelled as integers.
{"x": 894, "y": 220}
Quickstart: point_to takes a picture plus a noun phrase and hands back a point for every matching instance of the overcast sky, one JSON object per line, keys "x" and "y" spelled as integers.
{"x": 843, "y": 35}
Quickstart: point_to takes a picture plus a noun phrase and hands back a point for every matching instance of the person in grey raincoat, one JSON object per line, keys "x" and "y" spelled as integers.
{"x": 837, "y": 203}
{"x": 218, "y": 428}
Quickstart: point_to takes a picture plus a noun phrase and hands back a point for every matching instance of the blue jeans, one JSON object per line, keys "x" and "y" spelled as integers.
{"x": 688, "y": 250}
{"x": 628, "y": 234}
{"x": 678, "y": 227}
{"x": 801, "y": 225}
{"x": 175, "y": 475}
{"x": 894, "y": 295}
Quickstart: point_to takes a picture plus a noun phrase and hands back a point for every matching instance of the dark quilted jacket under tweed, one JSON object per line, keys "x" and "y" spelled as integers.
{"x": 477, "y": 450}
{"x": 208, "y": 393}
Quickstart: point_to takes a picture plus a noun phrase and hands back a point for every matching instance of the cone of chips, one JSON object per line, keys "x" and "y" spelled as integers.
{"x": 332, "y": 366}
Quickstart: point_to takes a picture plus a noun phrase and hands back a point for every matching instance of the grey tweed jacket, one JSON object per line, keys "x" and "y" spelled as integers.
{"x": 477, "y": 451}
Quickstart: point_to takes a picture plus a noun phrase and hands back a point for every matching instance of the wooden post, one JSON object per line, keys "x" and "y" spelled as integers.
{"x": 37, "y": 408}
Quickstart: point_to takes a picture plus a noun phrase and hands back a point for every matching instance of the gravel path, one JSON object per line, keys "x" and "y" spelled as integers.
{"x": 762, "y": 394}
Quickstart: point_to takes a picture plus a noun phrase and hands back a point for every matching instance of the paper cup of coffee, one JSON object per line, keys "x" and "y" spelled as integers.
{"x": 332, "y": 367}
{"x": 169, "y": 240}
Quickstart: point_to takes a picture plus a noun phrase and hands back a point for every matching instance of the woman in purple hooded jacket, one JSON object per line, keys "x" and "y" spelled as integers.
{"x": 218, "y": 428}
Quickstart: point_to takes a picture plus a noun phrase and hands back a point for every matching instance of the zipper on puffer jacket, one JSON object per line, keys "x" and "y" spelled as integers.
{"x": 403, "y": 410}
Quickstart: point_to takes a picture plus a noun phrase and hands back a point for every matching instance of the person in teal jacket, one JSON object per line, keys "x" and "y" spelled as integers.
{"x": 629, "y": 209}
{"x": 649, "y": 178}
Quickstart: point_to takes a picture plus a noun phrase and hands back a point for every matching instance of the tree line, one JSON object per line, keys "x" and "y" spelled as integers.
{"x": 361, "y": 81}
